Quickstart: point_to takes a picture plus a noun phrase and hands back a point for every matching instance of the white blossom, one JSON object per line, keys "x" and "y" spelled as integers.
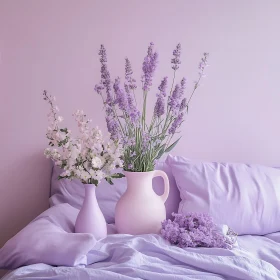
{"x": 87, "y": 157}
{"x": 97, "y": 162}
{"x": 59, "y": 119}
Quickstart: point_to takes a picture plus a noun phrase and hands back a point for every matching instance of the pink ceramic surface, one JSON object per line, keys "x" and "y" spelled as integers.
{"x": 140, "y": 210}
{"x": 73, "y": 192}
{"x": 90, "y": 218}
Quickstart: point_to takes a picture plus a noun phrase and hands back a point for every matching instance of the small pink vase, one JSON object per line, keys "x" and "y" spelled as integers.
{"x": 140, "y": 210}
{"x": 90, "y": 218}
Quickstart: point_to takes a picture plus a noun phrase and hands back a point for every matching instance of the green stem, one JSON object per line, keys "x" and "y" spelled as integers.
{"x": 152, "y": 123}
{"x": 169, "y": 140}
{"x": 172, "y": 82}
{"x": 194, "y": 89}
{"x": 144, "y": 109}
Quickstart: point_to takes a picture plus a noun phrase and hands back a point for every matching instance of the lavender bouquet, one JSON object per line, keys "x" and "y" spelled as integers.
{"x": 197, "y": 230}
{"x": 145, "y": 141}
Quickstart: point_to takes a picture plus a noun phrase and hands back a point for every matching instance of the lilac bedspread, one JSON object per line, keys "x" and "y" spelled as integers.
{"x": 151, "y": 257}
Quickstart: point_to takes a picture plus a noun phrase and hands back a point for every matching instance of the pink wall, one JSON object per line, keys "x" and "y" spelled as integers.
{"x": 53, "y": 45}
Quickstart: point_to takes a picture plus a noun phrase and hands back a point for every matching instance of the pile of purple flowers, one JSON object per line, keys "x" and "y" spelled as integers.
{"x": 196, "y": 230}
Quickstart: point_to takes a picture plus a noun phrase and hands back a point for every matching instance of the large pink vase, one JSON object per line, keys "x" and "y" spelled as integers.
{"x": 90, "y": 218}
{"x": 140, "y": 210}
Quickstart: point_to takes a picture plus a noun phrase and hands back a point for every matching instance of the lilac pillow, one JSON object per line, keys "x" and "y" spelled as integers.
{"x": 72, "y": 192}
{"x": 245, "y": 197}
{"x": 41, "y": 241}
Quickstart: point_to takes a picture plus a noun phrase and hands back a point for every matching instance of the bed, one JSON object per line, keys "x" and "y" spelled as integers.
{"x": 48, "y": 249}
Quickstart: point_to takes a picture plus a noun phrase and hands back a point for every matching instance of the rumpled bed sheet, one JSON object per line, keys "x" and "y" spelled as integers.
{"x": 122, "y": 256}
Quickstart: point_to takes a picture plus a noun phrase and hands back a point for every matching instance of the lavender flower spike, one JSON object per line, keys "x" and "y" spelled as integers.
{"x": 129, "y": 85}
{"x": 174, "y": 100}
{"x": 98, "y": 88}
{"x": 113, "y": 128}
{"x": 203, "y": 64}
{"x": 176, "y": 123}
{"x": 121, "y": 97}
{"x": 183, "y": 86}
{"x": 177, "y": 55}
{"x": 183, "y": 104}
{"x": 105, "y": 77}
{"x": 159, "y": 109}
{"x": 134, "y": 113}
{"x": 149, "y": 67}
{"x": 128, "y": 68}
{"x": 125, "y": 102}
{"x": 163, "y": 86}
{"x": 129, "y": 81}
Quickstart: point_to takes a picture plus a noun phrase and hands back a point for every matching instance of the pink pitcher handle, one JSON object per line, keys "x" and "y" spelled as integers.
{"x": 166, "y": 183}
